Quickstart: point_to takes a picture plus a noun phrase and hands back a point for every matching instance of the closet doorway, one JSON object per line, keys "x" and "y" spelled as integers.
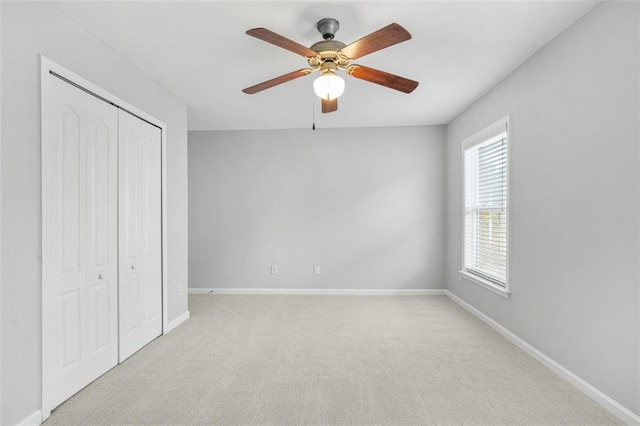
{"x": 103, "y": 239}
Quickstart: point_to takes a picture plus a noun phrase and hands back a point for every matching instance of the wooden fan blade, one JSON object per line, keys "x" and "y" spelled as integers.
{"x": 382, "y": 78}
{"x": 273, "y": 38}
{"x": 329, "y": 105}
{"x": 378, "y": 40}
{"x": 275, "y": 81}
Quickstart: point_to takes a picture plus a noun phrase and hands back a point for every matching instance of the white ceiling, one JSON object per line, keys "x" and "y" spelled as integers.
{"x": 199, "y": 52}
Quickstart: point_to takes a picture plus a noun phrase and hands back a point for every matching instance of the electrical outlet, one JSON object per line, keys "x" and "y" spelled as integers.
{"x": 179, "y": 289}
{"x": 316, "y": 270}
{"x": 274, "y": 269}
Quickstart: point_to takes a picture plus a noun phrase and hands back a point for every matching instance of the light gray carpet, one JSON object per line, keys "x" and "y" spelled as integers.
{"x": 327, "y": 360}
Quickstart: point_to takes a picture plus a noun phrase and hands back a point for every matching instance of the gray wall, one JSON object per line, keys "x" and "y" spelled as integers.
{"x": 366, "y": 205}
{"x": 574, "y": 200}
{"x": 29, "y": 29}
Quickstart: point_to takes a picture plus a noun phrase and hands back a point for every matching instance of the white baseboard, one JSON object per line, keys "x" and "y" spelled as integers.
{"x": 611, "y": 405}
{"x": 33, "y": 419}
{"x": 320, "y": 291}
{"x": 176, "y": 322}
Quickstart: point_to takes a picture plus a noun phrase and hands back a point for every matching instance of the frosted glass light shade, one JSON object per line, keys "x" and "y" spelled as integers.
{"x": 328, "y": 86}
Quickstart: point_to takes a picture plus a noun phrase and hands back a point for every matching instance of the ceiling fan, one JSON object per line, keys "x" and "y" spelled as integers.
{"x": 329, "y": 55}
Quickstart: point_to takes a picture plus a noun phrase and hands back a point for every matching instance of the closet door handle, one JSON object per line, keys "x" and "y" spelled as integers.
{"x": 100, "y": 276}
{"x": 133, "y": 267}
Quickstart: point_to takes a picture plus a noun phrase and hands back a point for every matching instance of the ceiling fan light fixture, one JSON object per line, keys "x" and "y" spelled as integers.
{"x": 328, "y": 86}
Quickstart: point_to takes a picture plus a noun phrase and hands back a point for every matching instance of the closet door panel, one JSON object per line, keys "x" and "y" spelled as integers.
{"x": 102, "y": 236}
{"x": 140, "y": 231}
{"x": 151, "y": 231}
{"x": 64, "y": 272}
{"x": 129, "y": 235}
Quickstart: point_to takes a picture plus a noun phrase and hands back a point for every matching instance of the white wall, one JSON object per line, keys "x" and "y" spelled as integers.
{"x": 366, "y": 205}
{"x": 574, "y": 200}
{"x": 29, "y": 29}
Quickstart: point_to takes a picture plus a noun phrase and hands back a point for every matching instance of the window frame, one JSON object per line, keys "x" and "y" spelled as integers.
{"x": 491, "y": 131}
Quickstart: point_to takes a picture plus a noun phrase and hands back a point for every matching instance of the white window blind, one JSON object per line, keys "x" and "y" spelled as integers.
{"x": 485, "y": 209}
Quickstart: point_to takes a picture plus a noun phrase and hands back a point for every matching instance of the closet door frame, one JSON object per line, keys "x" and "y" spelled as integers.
{"x": 47, "y": 67}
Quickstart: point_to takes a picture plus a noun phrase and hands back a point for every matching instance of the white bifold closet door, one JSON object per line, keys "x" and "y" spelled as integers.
{"x": 140, "y": 247}
{"x": 80, "y": 269}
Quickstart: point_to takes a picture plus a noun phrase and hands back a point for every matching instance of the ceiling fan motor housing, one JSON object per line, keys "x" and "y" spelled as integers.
{"x": 328, "y": 27}
{"x": 328, "y": 51}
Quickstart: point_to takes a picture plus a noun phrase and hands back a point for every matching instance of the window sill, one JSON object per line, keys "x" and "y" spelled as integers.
{"x": 501, "y": 291}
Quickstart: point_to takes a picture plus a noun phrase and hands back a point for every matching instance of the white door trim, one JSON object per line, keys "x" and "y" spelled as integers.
{"x": 47, "y": 66}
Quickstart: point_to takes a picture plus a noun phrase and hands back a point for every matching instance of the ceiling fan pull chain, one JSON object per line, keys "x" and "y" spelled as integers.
{"x": 313, "y": 111}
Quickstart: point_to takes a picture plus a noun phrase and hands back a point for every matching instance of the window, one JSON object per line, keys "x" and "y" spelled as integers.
{"x": 486, "y": 218}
